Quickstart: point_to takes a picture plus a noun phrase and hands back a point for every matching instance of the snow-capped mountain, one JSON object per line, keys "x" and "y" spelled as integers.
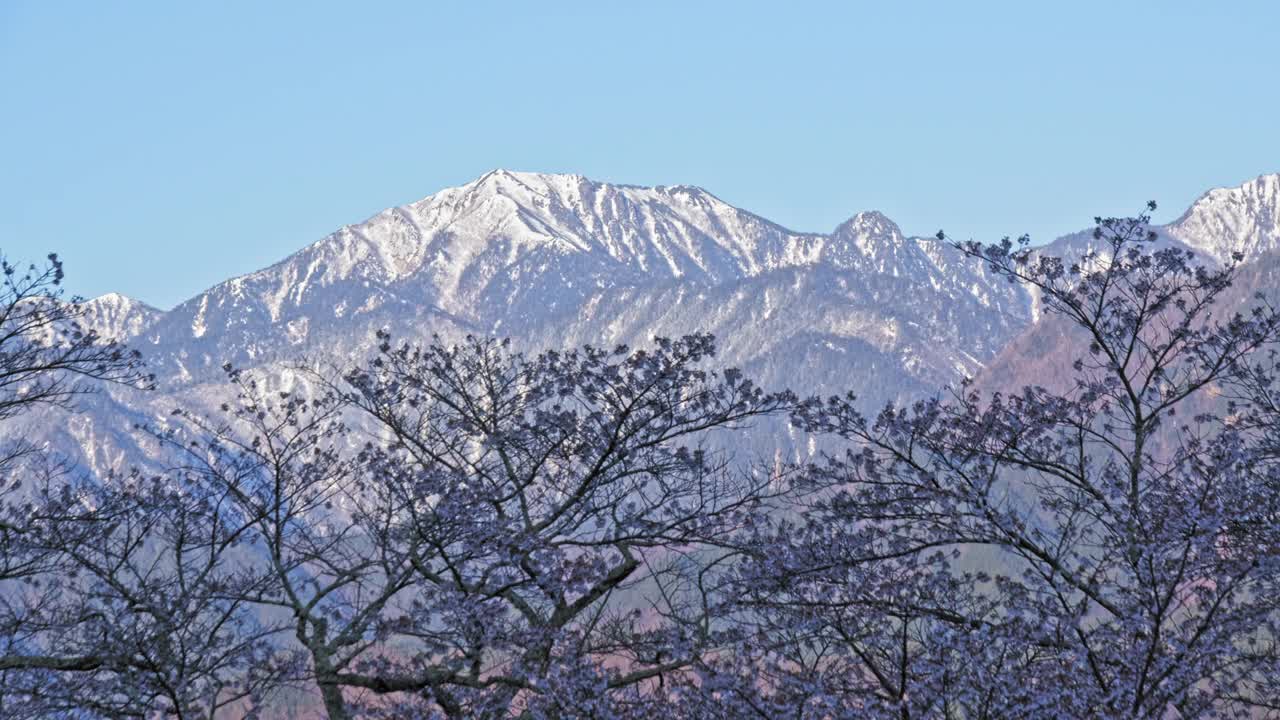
{"x": 1243, "y": 219}
{"x": 560, "y": 260}
{"x": 525, "y": 254}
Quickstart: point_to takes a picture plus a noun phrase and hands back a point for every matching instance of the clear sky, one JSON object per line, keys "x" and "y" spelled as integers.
{"x": 162, "y": 147}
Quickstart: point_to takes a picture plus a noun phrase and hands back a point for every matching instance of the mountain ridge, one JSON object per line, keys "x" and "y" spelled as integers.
{"x": 560, "y": 260}
{"x": 1196, "y": 221}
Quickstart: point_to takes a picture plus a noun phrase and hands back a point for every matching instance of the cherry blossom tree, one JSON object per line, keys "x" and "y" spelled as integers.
{"x": 1105, "y": 548}
{"x": 46, "y": 358}
{"x": 468, "y": 531}
{"x": 113, "y": 592}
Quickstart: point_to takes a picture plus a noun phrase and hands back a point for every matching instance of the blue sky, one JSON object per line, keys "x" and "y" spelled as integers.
{"x": 162, "y": 147}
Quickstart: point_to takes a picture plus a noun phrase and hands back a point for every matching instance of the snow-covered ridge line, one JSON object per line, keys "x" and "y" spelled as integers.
{"x": 560, "y": 261}
{"x": 511, "y": 246}
{"x": 507, "y": 227}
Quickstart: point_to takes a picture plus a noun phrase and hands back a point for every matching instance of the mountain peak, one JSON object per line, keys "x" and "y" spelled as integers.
{"x": 869, "y": 222}
{"x": 117, "y": 317}
{"x": 495, "y": 177}
{"x": 470, "y": 249}
{"x": 1243, "y": 219}
{"x": 871, "y": 231}
{"x": 118, "y": 301}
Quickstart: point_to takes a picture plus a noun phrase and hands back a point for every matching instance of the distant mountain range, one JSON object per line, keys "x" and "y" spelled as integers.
{"x": 559, "y": 260}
